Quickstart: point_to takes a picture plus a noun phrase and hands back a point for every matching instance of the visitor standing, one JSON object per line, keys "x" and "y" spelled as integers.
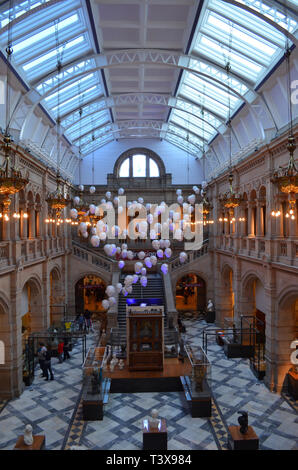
{"x": 60, "y": 350}
{"x": 66, "y": 349}
{"x": 41, "y": 357}
{"x": 48, "y": 365}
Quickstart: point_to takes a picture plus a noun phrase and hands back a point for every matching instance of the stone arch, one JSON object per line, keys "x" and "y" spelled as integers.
{"x": 190, "y": 297}
{"x": 285, "y": 331}
{"x": 262, "y": 192}
{"x": 32, "y": 299}
{"x": 92, "y": 302}
{"x": 253, "y": 195}
{"x": 5, "y": 347}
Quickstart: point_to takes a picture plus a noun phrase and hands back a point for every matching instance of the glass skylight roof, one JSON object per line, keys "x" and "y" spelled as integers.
{"x": 228, "y": 34}
{"x": 224, "y": 33}
{"x": 35, "y": 56}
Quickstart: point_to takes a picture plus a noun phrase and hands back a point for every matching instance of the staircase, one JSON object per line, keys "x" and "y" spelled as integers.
{"x": 153, "y": 290}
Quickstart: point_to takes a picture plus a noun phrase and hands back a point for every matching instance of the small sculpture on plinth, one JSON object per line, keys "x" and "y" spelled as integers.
{"x": 210, "y": 306}
{"x": 243, "y": 421}
{"x": 28, "y": 437}
{"x": 153, "y": 420}
{"x": 113, "y": 362}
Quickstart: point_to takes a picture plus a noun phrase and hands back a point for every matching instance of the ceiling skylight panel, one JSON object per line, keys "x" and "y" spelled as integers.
{"x": 196, "y": 121}
{"x": 197, "y": 110}
{"x": 273, "y": 13}
{"x": 239, "y": 63}
{"x": 219, "y": 74}
{"x": 74, "y": 102}
{"x": 53, "y": 55}
{"x": 190, "y": 126}
{"x": 180, "y": 143}
{"x": 97, "y": 118}
{"x": 248, "y": 20}
{"x": 241, "y": 38}
{"x": 207, "y": 102}
{"x": 185, "y": 133}
{"x": 87, "y": 126}
{"x": 73, "y": 88}
{"x": 45, "y": 33}
{"x": 214, "y": 91}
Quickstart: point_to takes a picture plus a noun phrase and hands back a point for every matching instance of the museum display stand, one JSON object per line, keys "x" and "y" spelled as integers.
{"x": 145, "y": 338}
{"x": 196, "y": 387}
{"x": 39, "y": 443}
{"x": 95, "y": 386}
{"x": 155, "y": 438}
{"x": 239, "y": 441}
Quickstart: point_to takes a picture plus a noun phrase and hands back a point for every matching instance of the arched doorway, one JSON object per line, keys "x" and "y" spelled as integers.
{"x": 286, "y": 333}
{"x": 254, "y": 320}
{"x": 89, "y": 294}
{"x": 5, "y": 352}
{"x": 190, "y": 293}
{"x": 31, "y": 308}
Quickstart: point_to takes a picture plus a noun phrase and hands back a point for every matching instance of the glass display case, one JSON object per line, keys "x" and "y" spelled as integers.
{"x": 93, "y": 361}
{"x": 145, "y": 333}
{"x": 200, "y": 368}
{"x": 28, "y": 362}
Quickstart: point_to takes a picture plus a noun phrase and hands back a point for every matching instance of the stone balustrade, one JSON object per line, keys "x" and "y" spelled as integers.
{"x": 279, "y": 250}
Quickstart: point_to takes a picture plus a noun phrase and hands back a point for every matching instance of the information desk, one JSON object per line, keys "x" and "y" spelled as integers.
{"x": 145, "y": 337}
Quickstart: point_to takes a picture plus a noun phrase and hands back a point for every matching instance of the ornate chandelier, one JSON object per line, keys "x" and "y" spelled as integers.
{"x": 229, "y": 199}
{"x": 286, "y": 179}
{"x": 57, "y": 201}
{"x": 11, "y": 180}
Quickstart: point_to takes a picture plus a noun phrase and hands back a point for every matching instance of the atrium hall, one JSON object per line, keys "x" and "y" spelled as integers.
{"x": 148, "y": 224}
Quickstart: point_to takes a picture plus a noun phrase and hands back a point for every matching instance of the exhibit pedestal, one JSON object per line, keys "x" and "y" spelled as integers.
{"x": 238, "y": 441}
{"x": 156, "y": 438}
{"x": 200, "y": 402}
{"x": 92, "y": 405}
{"x": 210, "y": 317}
{"x": 39, "y": 443}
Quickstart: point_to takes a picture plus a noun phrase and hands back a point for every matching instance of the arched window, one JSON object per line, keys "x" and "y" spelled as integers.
{"x": 139, "y": 165}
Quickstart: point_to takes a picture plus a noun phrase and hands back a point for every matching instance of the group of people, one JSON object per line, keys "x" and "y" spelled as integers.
{"x": 84, "y": 321}
{"x": 45, "y": 355}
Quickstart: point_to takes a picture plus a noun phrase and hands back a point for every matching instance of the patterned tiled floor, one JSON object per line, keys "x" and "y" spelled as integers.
{"x": 54, "y": 409}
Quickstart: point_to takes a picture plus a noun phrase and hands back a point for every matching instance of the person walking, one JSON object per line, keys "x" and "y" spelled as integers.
{"x": 41, "y": 357}
{"x": 48, "y": 365}
{"x": 60, "y": 350}
{"x": 66, "y": 349}
{"x": 81, "y": 322}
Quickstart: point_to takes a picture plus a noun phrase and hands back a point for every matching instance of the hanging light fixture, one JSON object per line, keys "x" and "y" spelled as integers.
{"x": 230, "y": 200}
{"x": 207, "y": 206}
{"x": 286, "y": 179}
{"x": 58, "y": 200}
{"x": 11, "y": 180}
{"x": 80, "y": 205}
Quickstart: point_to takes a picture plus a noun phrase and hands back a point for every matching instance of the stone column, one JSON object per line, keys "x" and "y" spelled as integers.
{"x": 32, "y": 221}
{"x": 251, "y": 227}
